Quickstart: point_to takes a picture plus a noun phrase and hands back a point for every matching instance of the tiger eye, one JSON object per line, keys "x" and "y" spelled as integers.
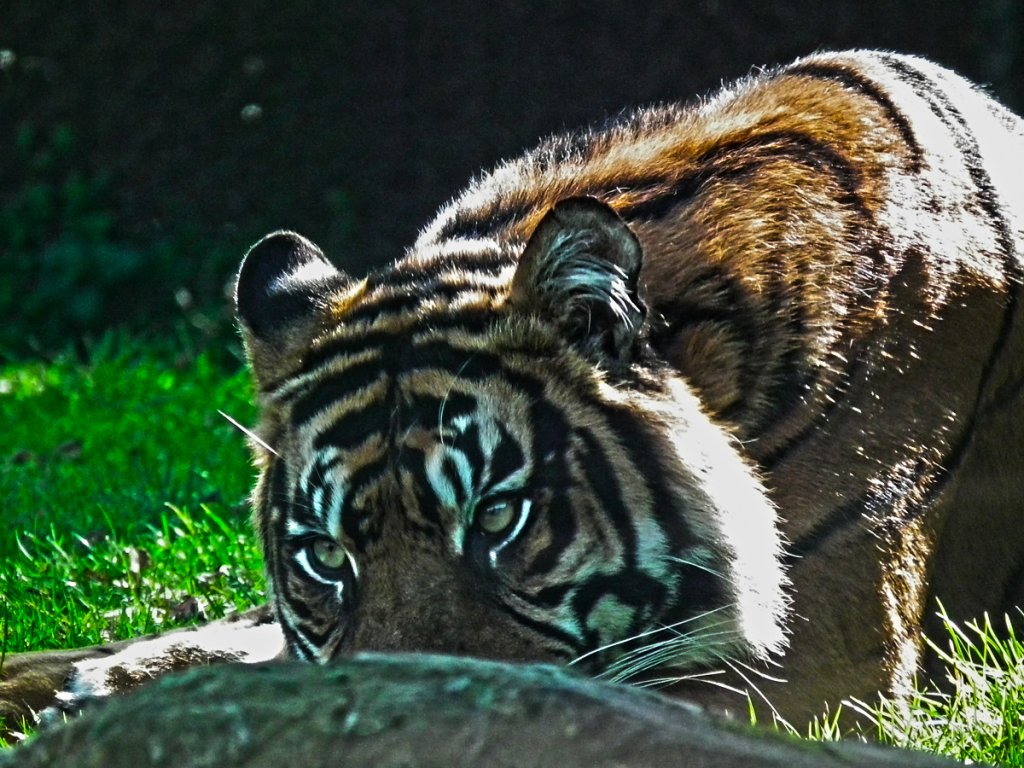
{"x": 328, "y": 553}
{"x": 497, "y": 517}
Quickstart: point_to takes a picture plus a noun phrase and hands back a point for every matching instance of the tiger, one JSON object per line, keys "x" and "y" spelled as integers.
{"x": 722, "y": 398}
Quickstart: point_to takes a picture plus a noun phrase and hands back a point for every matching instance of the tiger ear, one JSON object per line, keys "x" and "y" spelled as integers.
{"x": 281, "y": 297}
{"x": 581, "y": 266}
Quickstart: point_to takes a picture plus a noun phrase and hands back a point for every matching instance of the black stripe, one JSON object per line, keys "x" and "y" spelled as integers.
{"x": 932, "y": 93}
{"x": 738, "y": 316}
{"x": 850, "y": 513}
{"x": 355, "y": 340}
{"x": 700, "y": 590}
{"x": 628, "y": 586}
{"x": 295, "y": 645}
{"x": 463, "y": 364}
{"x": 468, "y": 443}
{"x": 855, "y": 81}
{"x": 786, "y": 392}
{"x": 487, "y": 222}
{"x": 552, "y": 434}
{"x": 297, "y": 607}
{"x": 741, "y": 158}
{"x": 508, "y": 455}
{"x": 944, "y": 108}
{"x": 322, "y": 469}
{"x": 391, "y": 303}
{"x": 544, "y": 629}
{"x": 791, "y": 378}
{"x": 276, "y": 491}
{"x": 429, "y": 512}
{"x": 451, "y": 474}
{"x": 318, "y": 639}
{"x": 335, "y": 388}
{"x": 472, "y": 263}
{"x": 989, "y": 200}
{"x": 360, "y": 529}
{"x": 448, "y": 405}
{"x": 730, "y": 303}
{"x": 402, "y": 299}
{"x": 550, "y": 480}
{"x": 353, "y": 428}
{"x": 550, "y": 596}
{"x": 472, "y": 320}
{"x": 562, "y": 524}
{"x": 607, "y": 491}
{"x": 831, "y": 400}
{"x": 873, "y": 505}
{"x": 860, "y": 509}
{"x": 731, "y": 310}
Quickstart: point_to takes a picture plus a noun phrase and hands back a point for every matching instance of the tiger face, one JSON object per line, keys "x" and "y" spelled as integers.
{"x": 494, "y": 463}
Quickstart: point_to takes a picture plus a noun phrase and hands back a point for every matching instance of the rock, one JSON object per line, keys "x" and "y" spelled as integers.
{"x": 391, "y": 710}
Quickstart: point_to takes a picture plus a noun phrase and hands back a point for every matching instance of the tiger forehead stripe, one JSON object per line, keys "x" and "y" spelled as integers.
{"x": 388, "y": 330}
{"x": 336, "y": 365}
{"x": 324, "y": 421}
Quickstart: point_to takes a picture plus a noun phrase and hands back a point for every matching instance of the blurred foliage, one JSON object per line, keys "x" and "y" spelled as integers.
{"x": 70, "y": 273}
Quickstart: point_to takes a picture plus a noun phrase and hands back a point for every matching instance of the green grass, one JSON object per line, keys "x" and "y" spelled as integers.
{"x": 980, "y": 719}
{"x": 124, "y": 495}
{"x": 125, "y": 510}
{"x": 975, "y": 715}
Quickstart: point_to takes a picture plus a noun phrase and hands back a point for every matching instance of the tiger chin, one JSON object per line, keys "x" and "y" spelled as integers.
{"x": 722, "y": 397}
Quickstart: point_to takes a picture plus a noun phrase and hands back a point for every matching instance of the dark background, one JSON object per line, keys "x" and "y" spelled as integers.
{"x": 169, "y": 135}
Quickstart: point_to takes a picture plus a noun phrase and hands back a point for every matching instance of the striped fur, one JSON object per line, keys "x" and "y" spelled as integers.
{"x": 702, "y": 362}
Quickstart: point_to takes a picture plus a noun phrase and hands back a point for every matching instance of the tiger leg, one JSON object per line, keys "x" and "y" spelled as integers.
{"x": 39, "y": 687}
{"x": 979, "y": 565}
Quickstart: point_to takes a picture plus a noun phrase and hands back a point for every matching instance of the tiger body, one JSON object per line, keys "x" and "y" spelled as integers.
{"x": 821, "y": 387}
{"x": 731, "y": 387}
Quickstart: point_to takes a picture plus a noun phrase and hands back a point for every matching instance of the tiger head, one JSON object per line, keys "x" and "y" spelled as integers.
{"x": 476, "y": 451}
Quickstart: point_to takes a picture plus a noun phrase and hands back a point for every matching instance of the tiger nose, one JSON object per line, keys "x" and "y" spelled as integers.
{"x": 433, "y": 611}
{"x": 422, "y": 614}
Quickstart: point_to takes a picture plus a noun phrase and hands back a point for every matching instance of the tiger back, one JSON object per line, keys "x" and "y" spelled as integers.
{"x": 721, "y": 397}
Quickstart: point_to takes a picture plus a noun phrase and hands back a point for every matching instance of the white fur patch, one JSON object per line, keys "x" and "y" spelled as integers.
{"x": 221, "y": 641}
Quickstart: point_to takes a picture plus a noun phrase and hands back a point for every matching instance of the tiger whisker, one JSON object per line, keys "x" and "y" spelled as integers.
{"x": 760, "y": 672}
{"x": 697, "y": 677}
{"x": 647, "y": 633}
{"x": 694, "y": 564}
{"x": 714, "y": 683}
{"x": 444, "y": 400}
{"x": 761, "y": 694}
{"x": 671, "y": 644}
{"x": 672, "y": 650}
{"x": 665, "y": 653}
{"x": 295, "y": 503}
{"x": 249, "y": 433}
{"x": 705, "y": 677}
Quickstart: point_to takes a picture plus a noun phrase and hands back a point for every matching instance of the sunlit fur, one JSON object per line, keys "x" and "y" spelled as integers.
{"x": 787, "y": 368}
